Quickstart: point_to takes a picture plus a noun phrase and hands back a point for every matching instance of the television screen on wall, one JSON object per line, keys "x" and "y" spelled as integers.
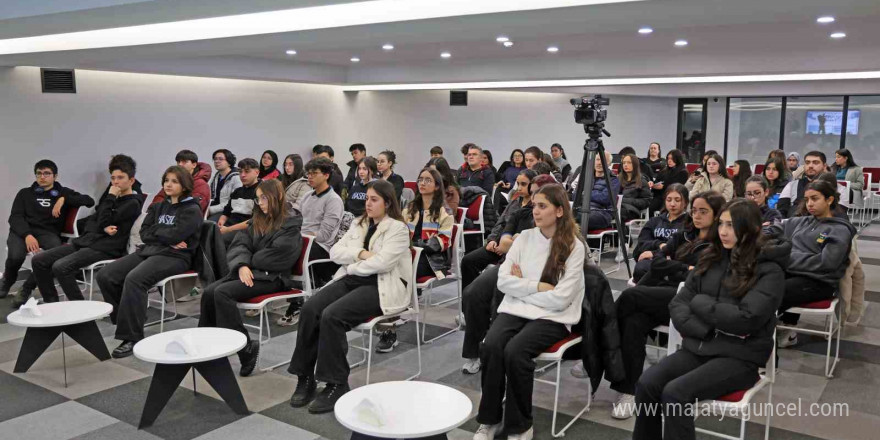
{"x": 831, "y": 122}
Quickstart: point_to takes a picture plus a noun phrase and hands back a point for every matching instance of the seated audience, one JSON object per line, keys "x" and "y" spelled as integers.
{"x": 819, "y": 254}
{"x": 551, "y": 165}
{"x": 170, "y": 234}
{"x": 726, "y": 316}
{"x": 542, "y": 280}
{"x": 336, "y": 179}
{"x": 260, "y": 260}
{"x": 294, "y": 181}
{"x": 645, "y": 306}
{"x": 644, "y": 168}
{"x": 225, "y": 181}
{"x": 35, "y": 224}
{"x": 741, "y": 172}
{"x": 634, "y": 188}
{"x": 372, "y": 281}
{"x": 560, "y": 160}
{"x": 674, "y": 172}
{"x": 358, "y": 152}
{"x": 714, "y": 177}
{"x": 793, "y": 193}
{"x": 450, "y": 183}
{"x": 474, "y": 173}
{"x": 240, "y": 207}
{"x": 510, "y": 170}
{"x": 758, "y": 191}
{"x": 269, "y": 165}
{"x": 367, "y": 171}
{"x": 845, "y": 169}
{"x": 655, "y": 160}
{"x": 780, "y": 154}
{"x": 774, "y": 174}
{"x": 385, "y": 164}
{"x": 794, "y": 165}
{"x": 601, "y": 202}
{"x": 532, "y": 156}
{"x": 201, "y": 173}
{"x": 660, "y": 228}
{"x": 436, "y": 151}
{"x": 105, "y": 236}
{"x": 486, "y": 161}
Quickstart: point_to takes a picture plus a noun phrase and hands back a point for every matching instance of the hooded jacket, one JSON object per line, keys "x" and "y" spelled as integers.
{"x": 112, "y": 211}
{"x": 483, "y": 177}
{"x": 201, "y": 191}
{"x": 352, "y": 174}
{"x": 270, "y": 256}
{"x": 167, "y": 224}
{"x": 657, "y": 231}
{"x": 819, "y": 246}
{"x": 712, "y": 322}
{"x": 667, "y": 268}
{"x": 219, "y": 199}
{"x": 32, "y": 209}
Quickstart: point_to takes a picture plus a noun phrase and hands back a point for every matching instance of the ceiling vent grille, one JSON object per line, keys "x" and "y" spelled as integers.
{"x": 458, "y": 97}
{"x": 58, "y": 80}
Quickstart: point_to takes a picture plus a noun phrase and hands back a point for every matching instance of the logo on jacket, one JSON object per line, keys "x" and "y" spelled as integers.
{"x": 45, "y": 203}
{"x": 664, "y": 232}
{"x": 359, "y": 196}
{"x": 166, "y": 219}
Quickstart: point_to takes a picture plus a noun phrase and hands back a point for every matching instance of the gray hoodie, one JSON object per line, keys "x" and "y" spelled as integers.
{"x": 820, "y": 246}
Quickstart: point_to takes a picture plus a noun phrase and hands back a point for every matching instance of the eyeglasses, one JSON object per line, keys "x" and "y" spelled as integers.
{"x": 425, "y": 180}
{"x": 44, "y": 174}
{"x": 262, "y": 199}
{"x": 754, "y": 194}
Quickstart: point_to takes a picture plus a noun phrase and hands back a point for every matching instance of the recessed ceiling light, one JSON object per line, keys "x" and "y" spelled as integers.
{"x": 508, "y": 43}
{"x": 681, "y": 43}
{"x": 445, "y": 54}
{"x": 387, "y": 47}
{"x": 825, "y": 20}
{"x": 838, "y": 35}
{"x": 552, "y": 49}
{"x": 290, "y": 52}
{"x": 502, "y": 39}
{"x": 645, "y": 30}
{"x": 355, "y": 60}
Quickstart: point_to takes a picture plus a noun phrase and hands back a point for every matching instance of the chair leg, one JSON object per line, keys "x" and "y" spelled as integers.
{"x": 162, "y": 314}
{"x": 418, "y": 350}
{"x": 425, "y": 319}
{"x": 769, "y": 410}
{"x": 837, "y": 317}
{"x": 370, "y": 355}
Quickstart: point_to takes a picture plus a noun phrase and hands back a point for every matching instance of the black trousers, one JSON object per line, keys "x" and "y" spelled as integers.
{"x": 801, "y": 290}
{"x": 639, "y": 310}
{"x": 479, "y": 304}
{"x": 642, "y": 267}
{"x": 424, "y": 267}
{"x": 671, "y": 386}
{"x": 599, "y": 220}
{"x": 62, "y": 263}
{"x": 17, "y": 253}
{"x": 220, "y": 300}
{"x": 474, "y": 262}
{"x": 508, "y": 364}
{"x": 321, "y": 344}
{"x": 124, "y": 284}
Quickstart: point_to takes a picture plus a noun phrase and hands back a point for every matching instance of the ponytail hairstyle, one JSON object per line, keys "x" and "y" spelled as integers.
{"x": 715, "y": 201}
{"x": 563, "y": 239}
{"x": 271, "y": 221}
{"x": 746, "y": 217}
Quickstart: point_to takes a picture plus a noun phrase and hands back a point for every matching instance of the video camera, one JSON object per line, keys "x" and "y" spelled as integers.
{"x": 589, "y": 111}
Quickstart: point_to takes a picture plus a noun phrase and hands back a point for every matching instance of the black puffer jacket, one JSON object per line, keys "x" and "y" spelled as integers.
{"x": 468, "y": 195}
{"x": 600, "y": 349}
{"x": 712, "y": 322}
{"x": 667, "y": 269}
{"x": 636, "y": 197}
{"x": 268, "y": 256}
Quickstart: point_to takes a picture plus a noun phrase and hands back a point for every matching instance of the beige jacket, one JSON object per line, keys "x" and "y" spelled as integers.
{"x": 723, "y": 186}
{"x": 391, "y": 261}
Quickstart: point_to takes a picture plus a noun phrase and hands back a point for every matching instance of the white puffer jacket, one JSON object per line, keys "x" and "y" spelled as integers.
{"x": 391, "y": 260}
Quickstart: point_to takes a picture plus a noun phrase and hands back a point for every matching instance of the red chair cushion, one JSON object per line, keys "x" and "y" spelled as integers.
{"x": 473, "y": 211}
{"x": 298, "y": 269}
{"x": 261, "y": 298}
{"x": 555, "y": 347}
{"x": 599, "y": 231}
{"x": 70, "y": 220}
{"x": 733, "y": 397}
{"x": 821, "y": 304}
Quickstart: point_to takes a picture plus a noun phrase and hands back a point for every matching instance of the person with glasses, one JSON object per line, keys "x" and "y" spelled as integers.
{"x": 225, "y": 181}
{"x": 35, "y": 223}
{"x": 240, "y": 207}
{"x": 260, "y": 260}
{"x": 757, "y": 190}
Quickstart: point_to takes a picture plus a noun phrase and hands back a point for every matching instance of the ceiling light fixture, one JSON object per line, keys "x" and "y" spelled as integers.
{"x": 502, "y": 39}
{"x": 838, "y": 35}
{"x": 290, "y": 52}
{"x": 445, "y": 54}
{"x": 787, "y": 77}
{"x": 825, "y": 20}
{"x": 681, "y": 43}
{"x": 552, "y": 49}
{"x": 388, "y": 47}
{"x": 508, "y": 43}
{"x": 645, "y": 30}
{"x": 273, "y": 22}
{"x": 355, "y": 60}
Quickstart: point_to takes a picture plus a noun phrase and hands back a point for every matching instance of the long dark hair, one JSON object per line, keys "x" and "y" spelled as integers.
{"x": 563, "y": 239}
{"x": 264, "y": 171}
{"x": 266, "y": 223}
{"x": 633, "y": 177}
{"x": 439, "y": 197}
{"x": 298, "y": 171}
{"x": 825, "y": 187}
{"x": 722, "y": 168}
{"x": 522, "y": 163}
{"x": 442, "y": 167}
{"x": 385, "y": 190}
{"x": 780, "y": 167}
{"x": 372, "y": 168}
{"x": 739, "y": 180}
{"x": 746, "y": 217}
{"x": 850, "y": 162}
{"x": 715, "y": 201}
{"x": 677, "y": 157}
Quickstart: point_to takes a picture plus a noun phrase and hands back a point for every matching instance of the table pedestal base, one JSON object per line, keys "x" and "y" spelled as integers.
{"x": 166, "y": 377}
{"x": 358, "y": 436}
{"x": 38, "y": 339}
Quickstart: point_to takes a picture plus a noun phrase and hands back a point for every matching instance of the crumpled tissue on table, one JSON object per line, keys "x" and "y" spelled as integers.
{"x": 31, "y": 309}
{"x": 370, "y": 413}
{"x": 183, "y": 345}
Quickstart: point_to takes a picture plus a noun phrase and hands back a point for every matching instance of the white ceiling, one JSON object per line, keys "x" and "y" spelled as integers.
{"x": 600, "y": 41}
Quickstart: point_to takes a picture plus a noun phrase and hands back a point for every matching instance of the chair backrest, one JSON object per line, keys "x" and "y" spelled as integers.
{"x": 844, "y": 191}
{"x": 406, "y": 196}
{"x": 134, "y": 238}
{"x": 615, "y": 167}
{"x": 416, "y": 253}
{"x": 148, "y": 198}
{"x": 70, "y": 229}
{"x": 759, "y": 168}
{"x": 302, "y": 261}
{"x": 411, "y": 184}
{"x": 730, "y": 172}
{"x": 675, "y": 339}
{"x": 873, "y": 176}
{"x": 691, "y": 167}
{"x": 475, "y": 210}
{"x": 457, "y": 248}
{"x": 459, "y": 214}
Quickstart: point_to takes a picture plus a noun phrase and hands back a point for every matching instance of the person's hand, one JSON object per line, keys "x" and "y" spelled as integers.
{"x": 658, "y": 186}
{"x": 56, "y": 210}
{"x": 32, "y": 244}
{"x": 111, "y": 230}
{"x": 490, "y": 246}
{"x": 364, "y": 254}
{"x": 765, "y": 224}
{"x": 543, "y": 287}
{"x": 225, "y": 229}
{"x": 221, "y": 221}
{"x": 650, "y": 184}
{"x": 507, "y": 185}
{"x": 114, "y": 191}
{"x": 181, "y": 245}
{"x": 693, "y": 178}
{"x": 246, "y": 276}
{"x": 647, "y": 255}
{"x": 516, "y": 271}
{"x": 690, "y": 267}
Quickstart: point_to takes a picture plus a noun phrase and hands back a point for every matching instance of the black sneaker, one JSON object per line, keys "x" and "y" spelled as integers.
{"x": 21, "y": 297}
{"x": 305, "y": 391}
{"x": 4, "y": 289}
{"x": 387, "y": 341}
{"x": 325, "y": 402}
{"x": 125, "y": 349}
{"x": 248, "y": 357}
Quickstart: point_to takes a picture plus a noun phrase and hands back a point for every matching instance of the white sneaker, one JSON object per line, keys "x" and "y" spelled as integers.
{"x": 579, "y": 371}
{"x": 472, "y": 366}
{"x": 486, "y": 432}
{"x": 288, "y": 320}
{"x": 786, "y": 338}
{"x": 251, "y": 313}
{"x": 624, "y": 407}
{"x": 524, "y": 436}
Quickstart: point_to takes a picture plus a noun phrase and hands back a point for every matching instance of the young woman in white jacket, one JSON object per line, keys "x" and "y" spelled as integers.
{"x": 372, "y": 281}
{"x": 542, "y": 280}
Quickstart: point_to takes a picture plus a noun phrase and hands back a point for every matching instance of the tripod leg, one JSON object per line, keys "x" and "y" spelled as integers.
{"x": 615, "y": 212}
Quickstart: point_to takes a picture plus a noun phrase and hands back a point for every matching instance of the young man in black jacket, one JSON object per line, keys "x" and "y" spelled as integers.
{"x": 36, "y": 222}
{"x": 240, "y": 206}
{"x": 358, "y": 152}
{"x": 105, "y": 236}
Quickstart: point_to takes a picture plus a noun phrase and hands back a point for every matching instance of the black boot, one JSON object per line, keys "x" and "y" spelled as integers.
{"x": 248, "y": 357}
{"x": 325, "y": 402}
{"x": 305, "y": 391}
{"x": 125, "y": 349}
{"x": 22, "y": 297}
